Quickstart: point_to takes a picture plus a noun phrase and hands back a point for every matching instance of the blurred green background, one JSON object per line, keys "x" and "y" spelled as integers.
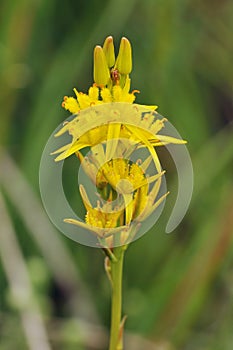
{"x": 178, "y": 288}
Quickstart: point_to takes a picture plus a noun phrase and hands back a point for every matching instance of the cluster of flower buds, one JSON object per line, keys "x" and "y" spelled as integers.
{"x": 111, "y": 70}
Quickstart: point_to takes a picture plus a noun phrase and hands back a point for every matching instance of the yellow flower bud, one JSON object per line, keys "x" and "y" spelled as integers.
{"x": 109, "y": 51}
{"x": 124, "y": 58}
{"x": 101, "y": 71}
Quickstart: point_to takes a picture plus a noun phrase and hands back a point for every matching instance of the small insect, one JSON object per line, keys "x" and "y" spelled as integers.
{"x": 115, "y": 75}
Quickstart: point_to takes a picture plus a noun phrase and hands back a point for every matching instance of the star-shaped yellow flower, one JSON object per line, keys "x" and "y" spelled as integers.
{"x": 136, "y": 200}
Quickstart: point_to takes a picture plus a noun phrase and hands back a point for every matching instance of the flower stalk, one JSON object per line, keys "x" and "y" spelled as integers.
{"x": 116, "y": 273}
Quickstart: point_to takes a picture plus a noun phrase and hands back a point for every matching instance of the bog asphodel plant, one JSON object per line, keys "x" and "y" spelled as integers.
{"x": 127, "y": 194}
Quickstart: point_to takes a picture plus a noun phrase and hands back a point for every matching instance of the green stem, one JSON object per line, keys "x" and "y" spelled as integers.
{"x": 116, "y": 275}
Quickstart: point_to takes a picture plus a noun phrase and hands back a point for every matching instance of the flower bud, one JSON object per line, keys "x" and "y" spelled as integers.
{"x": 109, "y": 51}
{"x": 101, "y": 71}
{"x": 124, "y": 58}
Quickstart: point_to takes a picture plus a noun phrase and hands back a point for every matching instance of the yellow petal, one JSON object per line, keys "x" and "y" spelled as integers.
{"x": 169, "y": 139}
{"x": 149, "y": 180}
{"x": 71, "y": 104}
{"x": 126, "y": 87}
{"x": 112, "y": 140}
{"x": 62, "y": 149}
{"x": 129, "y": 206}
{"x": 117, "y": 93}
{"x": 106, "y": 95}
{"x": 151, "y": 208}
{"x": 100, "y": 232}
{"x": 146, "y": 163}
{"x": 88, "y": 167}
{"x": 141, "y": 200}
{"x": 72, "y": 149}
{"x": 85, "y": 198}
{"x": 93, "y": 93}
{"x": 139, "y": 133}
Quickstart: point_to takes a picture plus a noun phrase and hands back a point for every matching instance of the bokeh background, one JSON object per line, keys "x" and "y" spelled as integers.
{"x": 178, "y": 288}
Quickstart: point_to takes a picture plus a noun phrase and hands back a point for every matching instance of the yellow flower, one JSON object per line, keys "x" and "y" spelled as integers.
{"x": 103, "y": 221}
{"x": 136, "y": 201}
{"x": 99, "y": 95}
{"x": 115, "y": 121}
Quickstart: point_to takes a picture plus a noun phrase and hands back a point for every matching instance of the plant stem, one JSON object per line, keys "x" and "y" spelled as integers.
{"x": 116, "y": 275}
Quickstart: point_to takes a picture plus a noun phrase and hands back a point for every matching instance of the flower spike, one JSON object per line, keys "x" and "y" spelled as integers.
{"x": 111, "y": 137}
{"x": 126, "y": 192}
